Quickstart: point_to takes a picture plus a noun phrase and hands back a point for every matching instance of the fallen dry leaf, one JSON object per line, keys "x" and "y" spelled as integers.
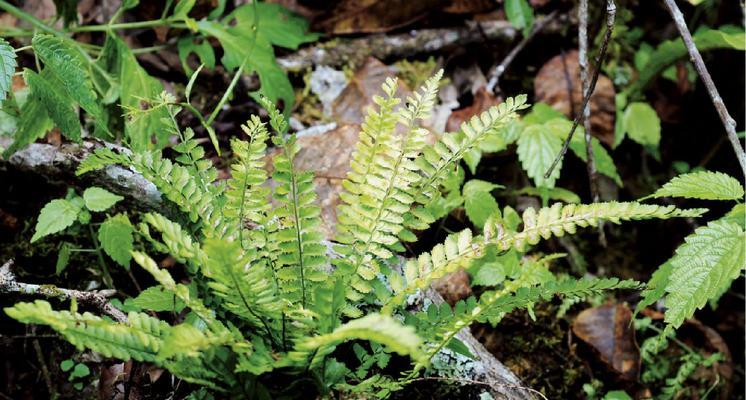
{"x": 454, "y": 287}
{"x": 368, "y": 16}
{"x": 608, "y": 330}
{"x": 469, "y": 6}
{"x": 328, "y": 156}
{"x": 350, "y": 106}
{"x": 550, "y": 86}
{"x": 482, "y": 101}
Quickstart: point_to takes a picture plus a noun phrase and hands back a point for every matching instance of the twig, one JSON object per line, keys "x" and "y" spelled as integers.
{"x": 728, "y": 122}
{"x": 8, "y": 284}
{"x": 43, "y": 366}
{"x": 583, "y": 63}
{"x": 497, "y": 71}
{"x": 610, "y": 15}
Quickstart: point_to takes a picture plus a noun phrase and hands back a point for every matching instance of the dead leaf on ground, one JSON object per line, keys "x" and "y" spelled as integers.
{"x": 454, "y": 287}
{"x": 469, "y": 6}
{"x": 350, "y": 106}
{"x": 368, "y": 16}
{"x": 608, "y": 330}
{"x": 328, "y": 156}
{"x": 550, "y": 86}
{"x": 482, "y": 101}
{"x": 113, "y": 378}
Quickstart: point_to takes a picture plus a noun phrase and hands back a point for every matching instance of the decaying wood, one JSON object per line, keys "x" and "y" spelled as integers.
{"x": 95, "y": 299}
{"x": 341, "y": 51}
{"x": 61, "y": 163}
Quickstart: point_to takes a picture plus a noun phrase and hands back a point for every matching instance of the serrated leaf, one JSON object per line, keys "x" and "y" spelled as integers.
{"x": 33, "y": 124}
{"x": 158, "y": 299}
{"x": 489, "y": 274}
{"x": 54, "y": 217}
{"x": 479, "y": 206}
{"x": 704, "y": 185}
{"x": 537, "y": 148}
{"x": 98, "y": 199}
{"x": 66, "y": 62}
{"x": 116, "y": 238}
{"x": 8, "y": 66}
{"x": 656, "y": 286}
{"x": 642, "y": 124}
{"x": 703, "y": 267}
{"x": 63, "y": 258}
{"x": 60, "y": 107}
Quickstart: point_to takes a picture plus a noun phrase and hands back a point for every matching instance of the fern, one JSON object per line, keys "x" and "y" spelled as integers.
{"x": 374, "y": 327}
{"x": 7, "y": 67}
{"x": 246, "y": 198}
{"x": 703, "y": 268}
{"x": 703, "y": 185}
{"x": 551, "y": 221}
{"x": 140, "y": 338}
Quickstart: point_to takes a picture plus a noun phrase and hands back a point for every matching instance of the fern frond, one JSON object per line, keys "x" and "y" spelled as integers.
{"x": 301, "y": 256}
{"x": 703, "y": 268}
{"x": 246, "y": 288}
{"x": 371, "y": 219}
{"x": 191, "y": 155}
{"x": 705, "y": 185}
{"x": 178, "y": 243}
{"x": 102, "y": 158}
{"x": 492, "y": 305}
{"x": 246, "y": 197}
{"x": 378, "y": 328}
{"x": 436, "y": 161}
{"x": 547, "y": 222}
{"x": 140, "y": 338}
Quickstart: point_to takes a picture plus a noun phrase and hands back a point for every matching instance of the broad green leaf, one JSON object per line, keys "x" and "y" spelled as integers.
{"x": 555, "y": 193}
{"x": 275, "y": 23}
{"x": 656, "y": 286}
{"x": 33, "y": 124}
{"x": 668, "y": 52}
{"x": 116, "y": 238}
{"x": 183, "y": 7}
{"x": 7, "y": 67}
{"x": 520, "y": 14}
{"x": 604, "y": 163}
{"x": 736, "y": 215}
{"x": 48, "y": 90}
{"x": 489, "y": 274}
{"x": 541, "y": 113}
{"x": 203, "y": 50}
{"x": 704, "y": 267}
{"x": 642, "y": 124}
{"x": 158, "y": 299}
{"x": 98, "y": 199}
{"x": 54, "y": 217}
{"x": 139, "y": 87}
{"x": 68, "y": 64}
{"x": 537, "y": 148}
{"x": 478, "y": 202}
{"x": 704, "y": 185}
{"x": 63, "y": 258}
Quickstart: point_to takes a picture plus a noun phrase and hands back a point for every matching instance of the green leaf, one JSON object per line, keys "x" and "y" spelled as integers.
{"x": 275, "y": 23}
{"x": 478, "y": 202}
{"x": 80, "y": 371}
{"x": 48, "y": 90}
{"x": 158, "y": 299}
{"x": 520, "y": 14}
{"x": 183, "y": 7}
{"x": 67, "y": 10}
{"x": 642, "y": 124}
{"x": 555, "y": 193}
{"x": 656, "y": 287}
{"x": 541, "y": 113}
{"x": 7, "y": 67}
{"x": 736, "y": 215}
{"x": 203, "y": 50}
{"x": 537, "y": 148}
{"x": 63, "y": 258}
{"x": 54, "y": 217}
{"x": 33, "y": 124}
{"x": 704, "y": 185}
{"x": 116, "y": 237}
{"x": 703, "y": 267}
{"x": 98, "y": 199}
{"x": 67, "y": 63}
{"x": 668, "y": 52}
{"x": 490, "y": 274}
{"x": 67, "y": 365}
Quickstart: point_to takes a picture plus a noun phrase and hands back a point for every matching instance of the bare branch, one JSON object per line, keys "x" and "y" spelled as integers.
{"x": 8, "y": 284}
{"x": 610, "y": 16}
{"x": 496, "y": 72}
{"x": 728, "y": 122}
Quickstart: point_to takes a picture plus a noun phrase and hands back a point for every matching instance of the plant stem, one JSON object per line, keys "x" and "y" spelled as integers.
{"x": 104, "y": 269}
{"x": 610, "y": 13}
{"x": 226, "y": 94}
{"x": 20, "y": 14}
{"x": 129, "y": 25}
{"x": 728, "y": 122}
